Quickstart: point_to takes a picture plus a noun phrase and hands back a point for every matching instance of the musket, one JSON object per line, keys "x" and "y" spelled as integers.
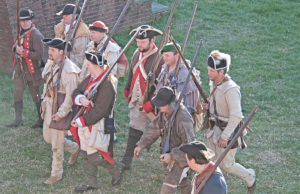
{"x": 77, "y": 20}
{"x": 222, "y": 156}
{"x": 174, "y": 78}
{"x": 18, "y": 23}
{"x": 111, "y": 67}
{"x": 188, "y": 67}
{"x": 151, "y": 77}
{"x": 18, "y": 57}
{"x": 172, "y": 118}
{"x": 62, "y": 63}
{"x": 102, "y": 49}
{"x": 207, "y": 114}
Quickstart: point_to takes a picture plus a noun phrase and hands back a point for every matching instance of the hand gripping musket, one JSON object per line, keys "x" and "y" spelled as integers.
{"x": 195, "y": 80}
{"x": 151, "y": 77}
{"x": 68, "y": 38}
{"x": 170, "y": 122}
{"x": 102, "y": 49}
{"x": 174, "y": 78}
{"x": 222, "y": 156}
{"x": 77, "y": 21}
{"x": 94, "y": 90}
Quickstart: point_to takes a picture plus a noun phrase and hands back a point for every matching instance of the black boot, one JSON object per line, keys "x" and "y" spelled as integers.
{"x": 18, "y": 112}
{"x": 39, "y": 123}
{"x": 133, "y": 137}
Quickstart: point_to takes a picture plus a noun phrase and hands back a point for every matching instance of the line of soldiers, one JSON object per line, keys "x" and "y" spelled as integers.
{"x": 93, "y": 131}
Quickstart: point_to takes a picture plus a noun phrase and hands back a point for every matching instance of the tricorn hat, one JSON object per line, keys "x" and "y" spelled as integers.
{"x": 98, "y": 26}
{"x": 218, "y": 60}
{"x": 164, "y": 96}
{"x": 95, "y": 58}
{"x": 145, "y": 31}
{"x": 56, "y": 43}
{"x": 26, "y": 14}
{"x": 169, "y": 47}
{"x": 198, "y": 151}
{"x": 68, "y": 9}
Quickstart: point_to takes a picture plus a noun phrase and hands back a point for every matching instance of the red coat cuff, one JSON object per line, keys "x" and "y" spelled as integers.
{"x": 148, "y": 107}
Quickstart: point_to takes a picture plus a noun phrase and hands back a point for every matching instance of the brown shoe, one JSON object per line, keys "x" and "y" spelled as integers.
{"x": 73, "y": 157}
{"x": 51, "y": 180}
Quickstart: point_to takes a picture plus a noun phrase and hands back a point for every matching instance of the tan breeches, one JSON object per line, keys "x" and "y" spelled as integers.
{"x": 59, "y": 143}
{"x": 229, "y": 165}
{"x": 139, "y": 119}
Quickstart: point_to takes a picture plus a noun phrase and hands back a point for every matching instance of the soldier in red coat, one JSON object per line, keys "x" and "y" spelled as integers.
{"x": 141, "y": 112}
{"x": 28, "y": 54}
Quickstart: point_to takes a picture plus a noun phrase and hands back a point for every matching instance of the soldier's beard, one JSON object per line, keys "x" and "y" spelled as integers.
{"x": 144, "y": 50}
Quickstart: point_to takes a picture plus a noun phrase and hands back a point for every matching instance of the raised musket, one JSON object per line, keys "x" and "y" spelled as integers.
{"x": 78, "y": 20}
{"x": 207, "y": 114}
{"x": 62, "y": 63}
{"x": 111, "y": 67}
{"x": 174, "y": 78}
{"x": 18, "y": 57}
{"x": 172, "y": 118}
{"x": 151, "y": 77}
{"x": 222, "y": 156}
{"x": 18, "y": 23}
{"x": 102, "y": 49}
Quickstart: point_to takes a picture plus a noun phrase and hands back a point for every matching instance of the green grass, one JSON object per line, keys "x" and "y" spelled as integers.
{"x": 263, "y": 40}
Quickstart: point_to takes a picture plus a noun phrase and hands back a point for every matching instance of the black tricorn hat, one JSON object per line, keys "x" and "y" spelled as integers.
{"x": 95, "y": 58}
{"x": 145, "y": 31}
{"x": 26, "y": 14}
{"x": 68, "y": 9}
{"x": 198, "y": 150}
{"x": 164, "y": 96}
{"x": 56, "y": 43}
{"x": 218, "y": 60}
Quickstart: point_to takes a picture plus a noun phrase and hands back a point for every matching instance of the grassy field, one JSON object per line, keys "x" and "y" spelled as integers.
{"x": 263, "y": 40}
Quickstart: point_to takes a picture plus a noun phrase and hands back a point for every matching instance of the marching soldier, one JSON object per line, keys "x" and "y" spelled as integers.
{"x": 94, "y": 135}
{"x": 167, "y": 74}
{"x": 226, "y": 114}
{"x": 98, "y": 31}
{"x": 198, "y": 157}
{"x": 181, "y": 132}
{"x": 27, "y": 71}
{"x": 81, "y": 38}
{"x": 68, "y": 82}
{"x": 141, "y": 113}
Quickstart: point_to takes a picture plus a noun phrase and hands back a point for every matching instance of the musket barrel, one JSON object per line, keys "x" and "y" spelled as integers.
{"x": 188, "y": 67}
{"x": 90, "y": 94}
{"x": 172, "y": 118}
{"x": 222, "y": 156}
{"x": 114, "y": 27}
{"x": 185, "y": 41}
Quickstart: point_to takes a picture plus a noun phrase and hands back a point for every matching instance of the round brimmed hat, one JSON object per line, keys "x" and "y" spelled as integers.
{"x": 26, "y": 14}
{"x": 68, "y": 9}
{"x": 198, "y": 150}
{"x": 95, "y": 58}
{"x": 164, "y": 96}
{"x": 218, "y": 60}
{"x": 146, "y": 31}
{"x": 56, "y": 43}
{"x": 169, "y": 47}
{"x": 98, "y": 26}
